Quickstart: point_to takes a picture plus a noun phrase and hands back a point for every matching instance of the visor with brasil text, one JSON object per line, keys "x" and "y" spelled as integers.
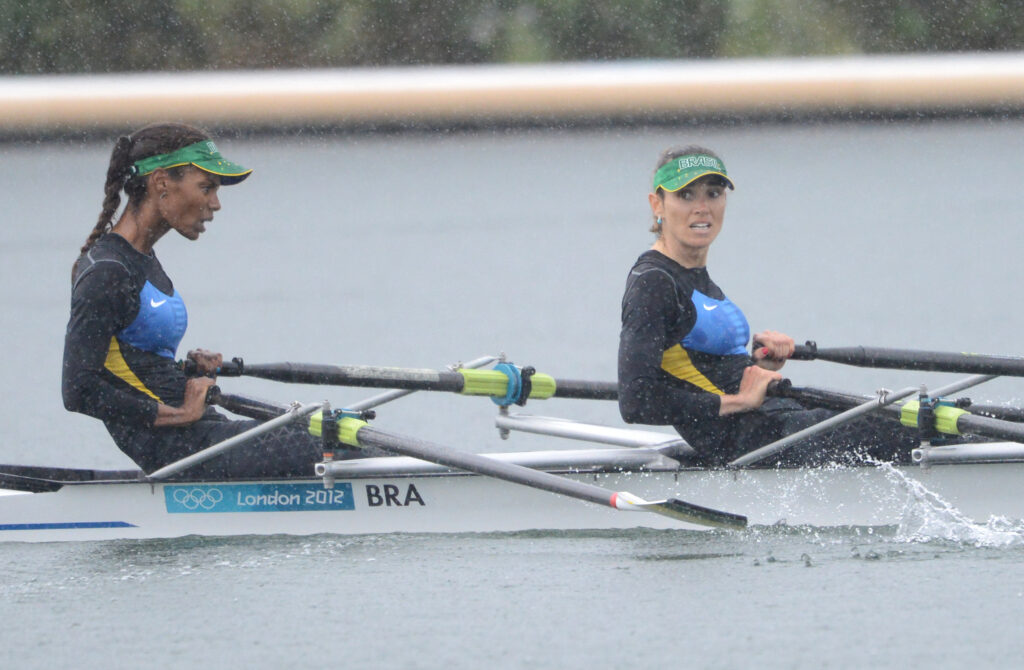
{"x": 681, "y": 172}
{"x": 203, "y": 155}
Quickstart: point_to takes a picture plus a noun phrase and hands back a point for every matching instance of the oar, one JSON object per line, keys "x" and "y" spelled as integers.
{"x": 243, "y": 405}
{"x": 395, "y": 394}
{"x": 507, "y": 382}
{"x": 949, "y": 420}
{"x": 911, "y": 359}
{"x": 856, "y": 410}
{"x": 359, "y": 434}
{"x": 827, "y": 425}
{"x": 266, "y": 409}
{"x": 295, "y": 412}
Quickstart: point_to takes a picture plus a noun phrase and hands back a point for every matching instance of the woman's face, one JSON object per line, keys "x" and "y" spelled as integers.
{"x": 190, "y": 202}
{"x": 692, "y": 216}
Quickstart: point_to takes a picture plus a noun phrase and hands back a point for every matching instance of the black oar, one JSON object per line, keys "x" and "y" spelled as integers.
{"x": 850, "y": 413}
{"x": 949, "y": 420}
{"x": 359, "y": 434}
{"x": 242, "y": 405}
{"x": 516, "y": 384}
{"x": 911, "y": 359}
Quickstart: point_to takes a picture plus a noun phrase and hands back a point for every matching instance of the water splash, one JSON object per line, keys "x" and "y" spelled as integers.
{"x": 928, "y": 517}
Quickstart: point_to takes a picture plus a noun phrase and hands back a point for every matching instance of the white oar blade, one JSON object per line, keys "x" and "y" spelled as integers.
{"x": 681, "y": 510}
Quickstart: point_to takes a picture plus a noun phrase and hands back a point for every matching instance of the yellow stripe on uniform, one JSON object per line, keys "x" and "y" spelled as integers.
{"x": 119, "y": 367}
{"x": 677, "y": 363}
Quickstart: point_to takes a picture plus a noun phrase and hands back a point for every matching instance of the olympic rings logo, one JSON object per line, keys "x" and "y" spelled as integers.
{"x": 195, "y": 498}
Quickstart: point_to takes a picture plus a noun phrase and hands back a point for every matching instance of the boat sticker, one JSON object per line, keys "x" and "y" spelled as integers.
{"x": 203, "y": 498}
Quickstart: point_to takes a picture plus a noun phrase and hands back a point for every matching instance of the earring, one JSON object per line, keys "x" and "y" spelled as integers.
{"x": 659, "y": 220}
{"x": 163, "y": 195}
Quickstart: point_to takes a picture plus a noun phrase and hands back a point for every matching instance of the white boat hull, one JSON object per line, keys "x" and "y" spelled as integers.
{"x": 418, "y": 500}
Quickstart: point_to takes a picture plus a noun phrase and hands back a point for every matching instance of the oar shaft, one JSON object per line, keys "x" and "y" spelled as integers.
{"x": 822, "y": 427}
{"x": 249, "y": 406}
{"x": 586, "y": 390}
{"x": 357, "y": 375}
{"x": 232, "y": 442}
{"x": 949, "y": 420}
{"x": 493, "y": 383}
{"x": 910, "y": 359}
{"x": 358, "y": 433}
{"x": 462, "y": 460}
{"x": 395, "y": 394}
{"x": 994, "y": 428}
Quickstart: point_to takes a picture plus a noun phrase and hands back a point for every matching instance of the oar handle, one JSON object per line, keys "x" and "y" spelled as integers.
{"x": 233, "y": 368}
{"x": 805, "y": 352}
{"x": 213, "y": 395}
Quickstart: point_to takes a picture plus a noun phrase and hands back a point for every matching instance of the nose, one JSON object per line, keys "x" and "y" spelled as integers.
{"x": 214, "y": 202}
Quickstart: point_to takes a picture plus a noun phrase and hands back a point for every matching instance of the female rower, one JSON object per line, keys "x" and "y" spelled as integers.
{"x": 127, "y": 319}
{"x": 682, "y": 350}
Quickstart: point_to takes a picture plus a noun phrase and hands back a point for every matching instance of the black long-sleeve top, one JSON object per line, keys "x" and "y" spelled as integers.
{"x": 105, "y": 375}
{"x": 676, "y": 362}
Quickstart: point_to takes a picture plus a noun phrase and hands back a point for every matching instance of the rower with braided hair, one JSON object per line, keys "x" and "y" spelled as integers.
{"x": 127, "y": 319}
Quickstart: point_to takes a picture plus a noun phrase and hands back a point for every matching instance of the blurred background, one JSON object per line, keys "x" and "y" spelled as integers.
{"x": 93, "y": 36}
{"x": 438, "y": 180}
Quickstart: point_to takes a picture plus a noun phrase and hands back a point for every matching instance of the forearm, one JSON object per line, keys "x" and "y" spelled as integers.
{"x": 168, "y": 416}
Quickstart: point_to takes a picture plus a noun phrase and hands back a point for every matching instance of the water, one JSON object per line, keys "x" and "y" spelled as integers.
{"x": 771, "y": 598}
{"x": 420, "y": 250}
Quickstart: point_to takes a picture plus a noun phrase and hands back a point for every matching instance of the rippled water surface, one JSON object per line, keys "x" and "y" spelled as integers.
{"x": 765, "y": 598}
{"x": 420, "y": 250}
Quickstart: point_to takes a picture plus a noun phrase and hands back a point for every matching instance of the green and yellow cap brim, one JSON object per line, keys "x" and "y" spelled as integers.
{"x": 204, "y": 155}
{"x": 680, "y": 172}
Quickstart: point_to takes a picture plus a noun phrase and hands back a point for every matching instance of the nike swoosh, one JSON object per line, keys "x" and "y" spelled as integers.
{"x": 709, "y": 307}
{"x": 154, "y": 303}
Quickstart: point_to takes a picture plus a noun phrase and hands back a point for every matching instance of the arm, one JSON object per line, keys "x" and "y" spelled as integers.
{"x": 753, "y": 388}
{"x": 648, "y": 329}
{"x": 649, "y": 313}
{"x": 102, "y": 303}
{"x": 191, "y": 410}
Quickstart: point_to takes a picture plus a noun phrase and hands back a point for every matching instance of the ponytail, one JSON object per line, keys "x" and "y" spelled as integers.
{"x": 157, "y": 138}
{"x": 117, "y": 175}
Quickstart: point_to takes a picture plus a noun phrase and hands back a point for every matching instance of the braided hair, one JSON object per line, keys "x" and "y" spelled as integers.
{"x": 152, "y": 140}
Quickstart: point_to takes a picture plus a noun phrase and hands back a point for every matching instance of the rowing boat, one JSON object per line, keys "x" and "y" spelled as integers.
{"x": 408, "y": 495}
{"x": 433, "y": 489}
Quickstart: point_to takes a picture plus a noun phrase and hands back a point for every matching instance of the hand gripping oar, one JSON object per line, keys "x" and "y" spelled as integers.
{"x": 854, "y": 412}
{"x": 506, "y": 382}
{"x": 910, "y": 359}
{"x": 358, "y": 433}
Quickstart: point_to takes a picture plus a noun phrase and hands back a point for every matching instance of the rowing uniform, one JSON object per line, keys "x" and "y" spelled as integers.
{"x": 683, "y": 345}
{"x": 126, "y": 322}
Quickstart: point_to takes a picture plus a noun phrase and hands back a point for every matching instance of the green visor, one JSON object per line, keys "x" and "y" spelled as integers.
{"x": 203, "y": 155}
{"x": 681, "y": 172}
